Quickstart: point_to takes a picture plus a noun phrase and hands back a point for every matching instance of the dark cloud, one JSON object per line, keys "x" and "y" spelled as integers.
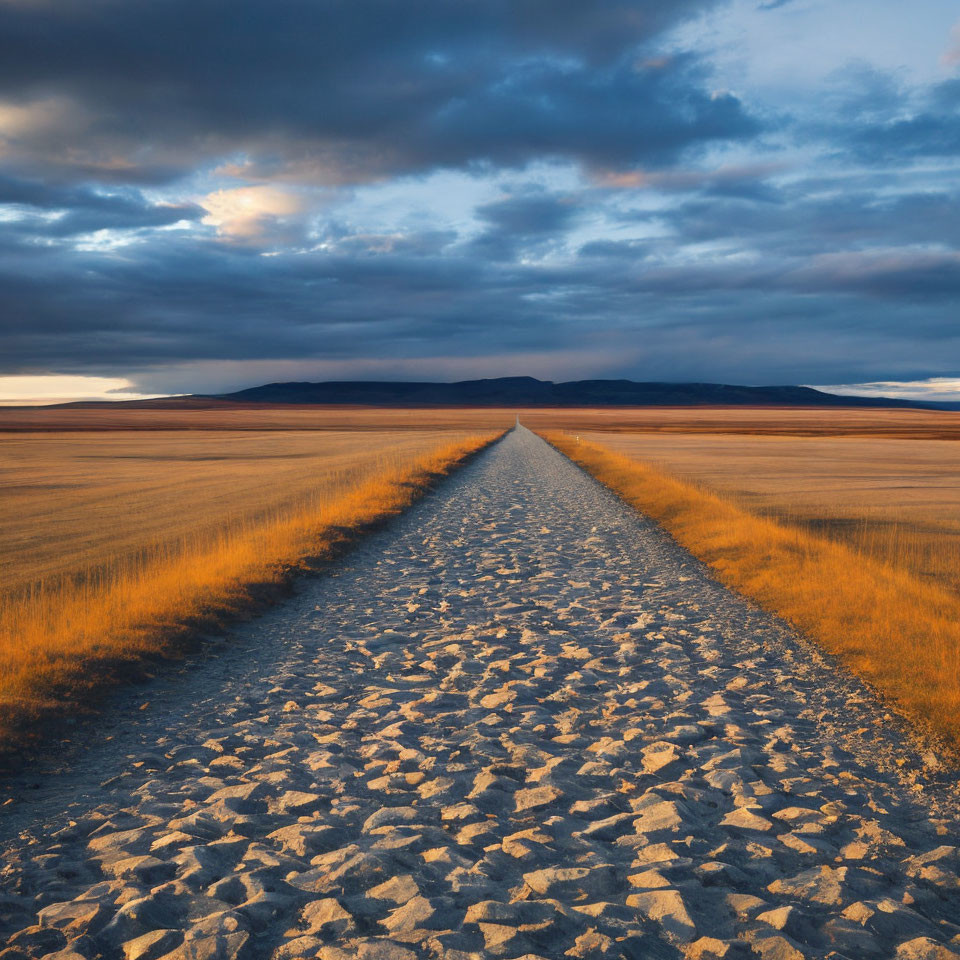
{"x": 169, "y": 302}
{"x": 528, "y": 221}
{"x": 876, "y": 119}
{"x": 688, "y": 241}
{"x": 345, "y": 92}
{"x": 617, "y": 249}
{"x": 807, "y": 217}
{"x": 80, "y": 209}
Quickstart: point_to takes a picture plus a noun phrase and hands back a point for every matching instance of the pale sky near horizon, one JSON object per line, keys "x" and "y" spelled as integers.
{"x": 741, "y": 192}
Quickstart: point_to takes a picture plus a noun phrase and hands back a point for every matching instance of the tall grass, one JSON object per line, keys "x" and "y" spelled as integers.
{"x": 897, "y": 632}
{"x": 925, "y": 551}
{"x": 63, "y": 638}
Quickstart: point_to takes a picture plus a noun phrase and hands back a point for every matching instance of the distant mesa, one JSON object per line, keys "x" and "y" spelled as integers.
{"x": 530, "y": 392}
{"x": 522, "y": 392}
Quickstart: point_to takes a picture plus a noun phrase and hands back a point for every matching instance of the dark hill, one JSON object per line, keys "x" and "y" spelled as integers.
{"x": 529, "y": 392}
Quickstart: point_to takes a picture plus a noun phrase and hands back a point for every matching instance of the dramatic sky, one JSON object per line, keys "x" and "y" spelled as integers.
{"x": 200, "y": 195}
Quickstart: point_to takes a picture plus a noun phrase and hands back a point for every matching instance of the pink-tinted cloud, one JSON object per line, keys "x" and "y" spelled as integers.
{"x": 951, "y": 56}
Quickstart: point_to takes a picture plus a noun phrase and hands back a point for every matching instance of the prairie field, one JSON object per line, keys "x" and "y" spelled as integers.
{"x": 907, "y": 424}
{"x": 892, "y": 499}
{"x": 74, "y": 502}
{"x": 248, "y": 417}
{"x": 114, "y": 539}
{"x": 853, "y": 537}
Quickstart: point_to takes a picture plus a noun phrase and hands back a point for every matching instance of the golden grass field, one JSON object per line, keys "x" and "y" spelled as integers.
{"x": 853, "y": 540}
{"x": 764, "y": 421}
{"x": 115, "y": 541}
{"x": 892, "y": 499}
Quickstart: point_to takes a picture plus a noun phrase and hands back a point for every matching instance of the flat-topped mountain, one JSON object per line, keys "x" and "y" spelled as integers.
{"x": 528, "y": 391}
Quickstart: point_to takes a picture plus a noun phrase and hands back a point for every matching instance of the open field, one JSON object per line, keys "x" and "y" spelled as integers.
{"x": 74, "y": 502}
{"x": 768, "y": 421}
{"x": 111, "y": 542}
{"x": 245, "y": 417}
{"x": 791, "y": 421}
{"x": 895, "y": 624}
{"x": 893, "y": 499}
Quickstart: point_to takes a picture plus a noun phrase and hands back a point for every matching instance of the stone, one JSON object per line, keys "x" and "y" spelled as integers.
{"x": 938, "y": 867}
{"x": 145, "y": 869}
{"x": 414, "y": 914}
{"x": 110, "y": 843}
{"x": 745, "y": 819}
{"x": 305, "y": 839}
{"x": 658, "y": 818}
{"x": 156, "y": 911}
{"x": 648, "y": 880}
{"x": 218, "y": 937}
{"x": 152, "y": 945}
{"x": 592, "y": 943}
{"x": 776, "y": 948}
{"x": 359, "y": 871}
{"x": 80, "y": 949}
{"x": 298, "y": 948}
{"x": 382, "y": 950}
{"x": 667, "y": 908}
{"x": 658, "y": 755}
{"x": 459, "y": 811}
{"x": 745, "y": 905}
{"x": 710, "y": 948}
{"x": 74, "y": 917}
{"x": 561, "y": 883}
{"x": 610, "y": 828}
{"x": 524, "y": 843}
{"x": 399, "y": 889}
{"x": 36, "y": 941}
{"x": 788, "y": 919}
{"x": 889, "y": 920}
{"x": 241, "y": 797}
{"x": 391, "y": 816}
{"x": 536, "y": 798}
{"x": 498, "y": 937}
{"x": 328, "y": 918}
{"x": 851, "y": 939}
{"x": 295, "y": 801}
{"x": 491, "y": 911}
{"x": 822, "y": 884}
{"x": 923, "y": 948}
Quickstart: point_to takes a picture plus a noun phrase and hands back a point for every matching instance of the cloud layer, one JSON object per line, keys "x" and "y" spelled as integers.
{"x": 204, "y": 192}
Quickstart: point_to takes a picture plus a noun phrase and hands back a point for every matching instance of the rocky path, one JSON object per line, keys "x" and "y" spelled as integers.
{"x": 519, "y": 723}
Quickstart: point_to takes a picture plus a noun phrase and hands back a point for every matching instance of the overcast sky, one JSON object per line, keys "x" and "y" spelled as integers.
{"x": 200, "y": 195}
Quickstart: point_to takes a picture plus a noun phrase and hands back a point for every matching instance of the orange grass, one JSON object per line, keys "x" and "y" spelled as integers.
{"x": 893, "y": 499}
{"x": 898, "y": 633}
{"x": 63, "y": 638}
{"x": 71, "y": 502}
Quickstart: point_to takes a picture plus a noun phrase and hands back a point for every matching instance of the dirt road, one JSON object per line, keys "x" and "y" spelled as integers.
{"x": 521, "y": 722}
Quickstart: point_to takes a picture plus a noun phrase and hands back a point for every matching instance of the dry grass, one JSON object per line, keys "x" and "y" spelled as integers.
{"x": 117, "y": 546}
{"x": 895, "y": 500}
{"x": 763, "y": 421}
{"x": 791, "y": 421}
{"x": 72, "y": 502}
{"x": 898, "y": 633}
{"x": 257, "y": 417}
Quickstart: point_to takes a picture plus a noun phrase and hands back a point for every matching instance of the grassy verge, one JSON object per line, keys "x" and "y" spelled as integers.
{"x": 899, "y": 634}
{"x": 64, "y": 641}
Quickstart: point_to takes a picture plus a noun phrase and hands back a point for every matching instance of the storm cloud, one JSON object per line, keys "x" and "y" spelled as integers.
{"x": 205, "y": 194}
